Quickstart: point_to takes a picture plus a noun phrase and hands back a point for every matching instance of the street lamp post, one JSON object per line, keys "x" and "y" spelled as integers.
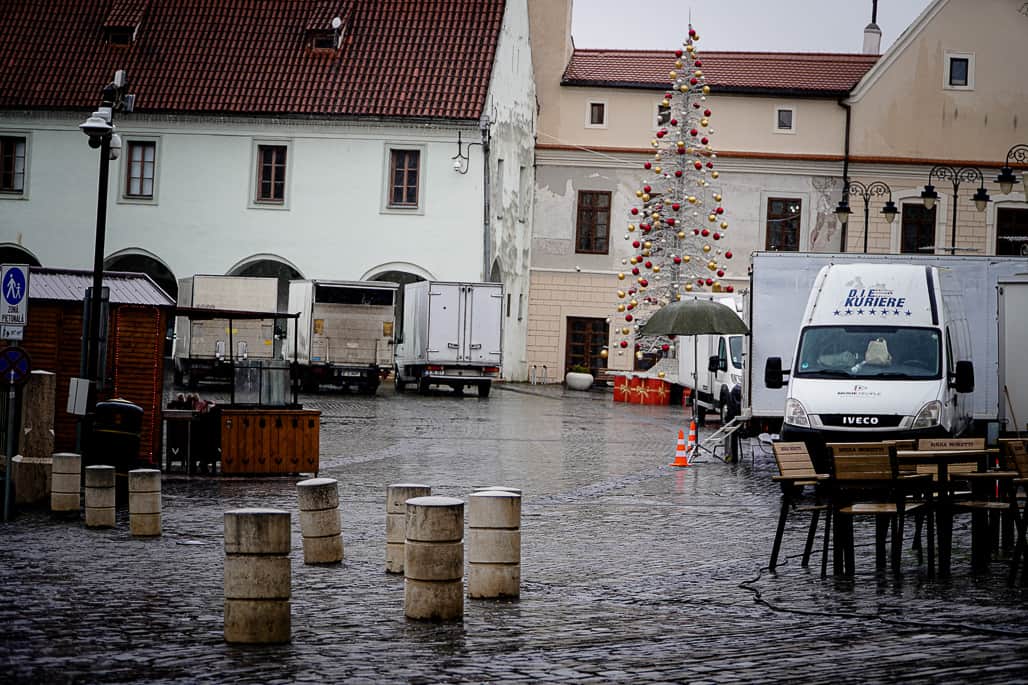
{"x": 866, "y": 192}
{"x": 100, "y": 129}
{"x": 1006, "y": 178}
{"x": 957, "y": 176}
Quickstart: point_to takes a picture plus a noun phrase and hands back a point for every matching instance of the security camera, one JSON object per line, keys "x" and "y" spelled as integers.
{"x": 456, "y": 165}
{"x": 115, "y": 146}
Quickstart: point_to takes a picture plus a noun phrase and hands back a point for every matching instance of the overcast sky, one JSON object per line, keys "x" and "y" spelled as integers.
{"x": 760, "y": 25}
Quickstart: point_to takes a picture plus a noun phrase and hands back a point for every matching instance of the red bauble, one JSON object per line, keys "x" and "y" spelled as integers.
{"x": 644, "y": 283}
{"x": 628, "y": 317}
{"x": 710, "y": 165}
{"x": 716, "y": 236}
{"x": 678, "y": 173}
{"x": 693, "y": 132}
{"x": 644, "y": 227}
{"x": 670, "y": 221}
{"x": 676, "y": 206}
{"x": 674, "y": 122}
{"x": 647, "y": 165}
{"x": 704, "y": 233}
{"x": 699, "y": 281}
{"x": 660, "y": 134}
{"x": 635, "y": 210}
{"x": 698, "y": 63}
{"x": 635, "y": 271}
{"x": 648, "y": 264}
{"x": 698, "y": 165}
{"x": 692, "y": 33}
{"x": 720, "y": 210}
{"x": 694, "y": 80}
{"x": 730, "y": 289}
{"x": 696, "y": 105}
{"x": 636, "y": 244}
{"x": 720, "y": 273}
{"x": 728, "y": 255}
{"x": 678, "y": 53}
{"x": 695, "y": 231}
{"x": 665, "y": 347}
{"x": 706, "y": 112}
{"x": 680, "y": 150}
{"x": 623, "y": 343}
{"x": 710, "y": 281}
{"x": 647, "y": 189}
{"x": 677, "y": 260}
{"x": 631, "y": 291}
{"x": 704, "y": 140}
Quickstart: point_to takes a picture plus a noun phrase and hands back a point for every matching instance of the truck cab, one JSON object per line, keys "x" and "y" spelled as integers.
{"x": 881, "y": 354}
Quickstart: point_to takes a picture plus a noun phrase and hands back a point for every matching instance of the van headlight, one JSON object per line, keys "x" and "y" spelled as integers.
{"x": 929, "y": 415}
{"x": 795, "y": 413}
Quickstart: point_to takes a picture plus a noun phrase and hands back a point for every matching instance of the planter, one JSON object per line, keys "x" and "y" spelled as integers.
{"x": 578, "y": 381}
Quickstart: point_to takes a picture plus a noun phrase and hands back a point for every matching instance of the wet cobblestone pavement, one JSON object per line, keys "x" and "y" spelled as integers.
{"x": 632, "y": 571}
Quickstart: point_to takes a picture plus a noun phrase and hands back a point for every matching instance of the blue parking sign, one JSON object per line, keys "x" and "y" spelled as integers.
{"x": 14, "y": 289}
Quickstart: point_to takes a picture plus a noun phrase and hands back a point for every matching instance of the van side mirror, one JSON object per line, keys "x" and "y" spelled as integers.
{"x": 713, "y": 365}
{"x": 774, "y": 376}
{"x": 963, "y": 379}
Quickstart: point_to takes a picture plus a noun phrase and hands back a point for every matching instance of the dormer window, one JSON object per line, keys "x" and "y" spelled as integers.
{"x": 120, "y": 35}
{"x": 123, "y": 20}
{"x": 324, "y": 40}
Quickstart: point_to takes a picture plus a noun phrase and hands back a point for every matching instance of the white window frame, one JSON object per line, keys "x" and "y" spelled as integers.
{"x": 23, "y": 194}
{"x": 252, "y": 202}
{"x": 948, "y": 60}
{"x": 387, "y": 161}
{"x": 803, "y": 243}
{"x": 588, "y": 113}
{"x": 123, "y": 162}
{"x": 784, "y": 108}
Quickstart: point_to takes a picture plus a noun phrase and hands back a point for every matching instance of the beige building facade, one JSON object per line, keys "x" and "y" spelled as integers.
{"x": 789, "y": 130}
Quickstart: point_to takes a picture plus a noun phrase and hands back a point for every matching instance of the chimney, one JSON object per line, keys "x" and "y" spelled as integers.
{"x": 873, "y": 34}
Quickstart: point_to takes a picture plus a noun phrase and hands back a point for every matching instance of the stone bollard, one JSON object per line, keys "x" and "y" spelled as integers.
{"x": 433, "y": 559}
{"x": 66, "y": 494}
{"x": 257, "y": 576}
{"x": 396, "y": 515}
{"x": 319, "y": 520}
{"x": 99, "y": 496}
{"x": 499, "y": 488}
{"x": 494, "y": 544}
{"x": 144, "y": 486}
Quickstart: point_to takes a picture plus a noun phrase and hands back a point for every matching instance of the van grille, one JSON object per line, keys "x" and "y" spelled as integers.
{"x": 864, "y": 421}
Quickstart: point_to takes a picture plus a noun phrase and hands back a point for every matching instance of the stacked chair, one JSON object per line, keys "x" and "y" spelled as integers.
{"x": 796, "y": 474}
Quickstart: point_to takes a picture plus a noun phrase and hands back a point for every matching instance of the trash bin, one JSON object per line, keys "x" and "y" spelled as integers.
{"x": 115, "y": 437}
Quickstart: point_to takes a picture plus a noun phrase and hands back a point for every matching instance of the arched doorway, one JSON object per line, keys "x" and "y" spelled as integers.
{"x": 140, "y": 262}
{"x": 12, "y": 253}
{"x": 402, "y": 274}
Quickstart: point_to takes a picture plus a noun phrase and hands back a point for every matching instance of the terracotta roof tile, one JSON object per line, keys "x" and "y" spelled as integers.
{"x": 755, "y": 72}
{"x": 254, "y": 56}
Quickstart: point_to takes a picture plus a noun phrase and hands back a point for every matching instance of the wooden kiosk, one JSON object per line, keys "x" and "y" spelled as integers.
{"x": 264, "y": 429}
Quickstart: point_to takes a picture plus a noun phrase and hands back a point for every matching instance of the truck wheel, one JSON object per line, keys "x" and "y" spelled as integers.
{"x": 483, "y": 389}
{"x": 399, "y": 384}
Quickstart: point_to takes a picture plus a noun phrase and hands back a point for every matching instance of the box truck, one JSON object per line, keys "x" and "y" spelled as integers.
{"x": 720, "y": 359}
{"x": 883, "y": 351}
{"x": 204, "y": 349}
{"x": 344, "y": 334}
{"x": 1013, "y": 352}
{"x": 452, "y": 335}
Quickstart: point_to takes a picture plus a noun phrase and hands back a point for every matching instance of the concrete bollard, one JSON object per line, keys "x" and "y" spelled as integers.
{"x": 494, "y": 544}
{"x": 99, "y": 496}
{"x": 144, "y": 487}
{"x": 499, "y": 488}
{"x": 396, "y": 515}
{"x": 66, "y": 493}
{"x": 258, "y": 578}
{"x": 433, "y": 559}
{"x": 319, "y": 520}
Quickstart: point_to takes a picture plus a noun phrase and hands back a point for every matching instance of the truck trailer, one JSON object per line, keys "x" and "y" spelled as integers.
{"x": 344, "y": 333}
{"x": 205, "y": 349}
{"x": 452, "y": 335}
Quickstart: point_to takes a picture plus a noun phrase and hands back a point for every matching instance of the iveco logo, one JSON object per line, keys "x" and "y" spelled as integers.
{"x": 860, "y": 420}
{"x": 859, "y": 388}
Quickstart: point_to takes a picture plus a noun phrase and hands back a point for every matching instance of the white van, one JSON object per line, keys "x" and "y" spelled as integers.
{"x": 882, "y": 354}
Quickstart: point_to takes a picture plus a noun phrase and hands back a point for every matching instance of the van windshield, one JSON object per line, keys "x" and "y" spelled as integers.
{"x": 735, "y": 349}
{"x": 874, "y": 352}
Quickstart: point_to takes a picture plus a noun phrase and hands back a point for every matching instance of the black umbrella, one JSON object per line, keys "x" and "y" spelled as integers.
{"x": 694, "y": 317}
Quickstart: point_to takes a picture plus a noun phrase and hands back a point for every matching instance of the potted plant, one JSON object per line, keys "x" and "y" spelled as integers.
{"x": 579, "y": 378}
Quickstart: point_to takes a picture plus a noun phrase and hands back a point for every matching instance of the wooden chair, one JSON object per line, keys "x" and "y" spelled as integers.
{"x": 795, "y": 473}
{"x": 956, "y": 471}
{"x": 1017, "y": 460}
{"x": 866, "y": 482}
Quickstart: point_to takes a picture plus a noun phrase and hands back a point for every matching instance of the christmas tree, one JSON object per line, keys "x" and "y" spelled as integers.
{"x": 677, "y": 228}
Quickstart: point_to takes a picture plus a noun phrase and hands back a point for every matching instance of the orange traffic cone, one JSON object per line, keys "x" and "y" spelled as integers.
{"x": 691, "y": 450}
{"x": 681, "y": 455}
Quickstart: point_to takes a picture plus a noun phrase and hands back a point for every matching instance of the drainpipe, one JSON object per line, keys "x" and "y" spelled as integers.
{"x": 487, "y": 242}
{"x": 845, "y": 169}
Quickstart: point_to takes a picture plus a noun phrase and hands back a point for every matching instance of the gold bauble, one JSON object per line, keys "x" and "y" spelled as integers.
{"x": 689, "y": 48}
{"x": 631, "y": 227}
{"x": 621, "y": 277}
{"x": 681, "y": 234}
{"x": 712, "y": 217}
{"x": 638, "y": 193}
{"x": 639, "y": 354}
{"x": 656, "y": 269}
{"x": 678, "y": 64}
{"x": 656, "y": 170}
{"x": 678, "y": 297}
{"x": 626, "y": 330}
{"x": 698, "y": 73}
{"x": 706, "y": 90}
{"x": 691, "y": 199}
{"x": 716, "y": 287}
{"x": 653, "y": 142}
{"x": 714, "y": 174}
{"x": 724, "y": 225}
{"x": 684, "y": 88}
{"x": 621, "y": 307}
{"x": 660, "y": 374}
{"x": 673, "y": 75}
{"x": 711, "y": 265}
{"x": 686, "y": 258}
{"x": 688, "y": 287}
{"x": 646, "y": 197}
{"x": 717, "y": 197}
{"x": 665, "y": 102}
{"x": 647, "y": 244}
{"x": 621, "y": 293}
{"x": 604, "y": 354}
{"x": 706, "y": 248}
{"x": 633, "y": 302}
{"x": 704, "y": 122}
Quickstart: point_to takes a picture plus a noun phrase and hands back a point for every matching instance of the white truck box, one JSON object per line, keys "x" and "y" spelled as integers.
{"x": 452, "y": 335}
{"x": 780, "y": 285}
{"x": 344, "y": 334}
{"x": 201, "y": 348}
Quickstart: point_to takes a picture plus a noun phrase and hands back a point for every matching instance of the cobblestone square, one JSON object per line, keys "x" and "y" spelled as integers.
{"x": 631, "y": 571}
